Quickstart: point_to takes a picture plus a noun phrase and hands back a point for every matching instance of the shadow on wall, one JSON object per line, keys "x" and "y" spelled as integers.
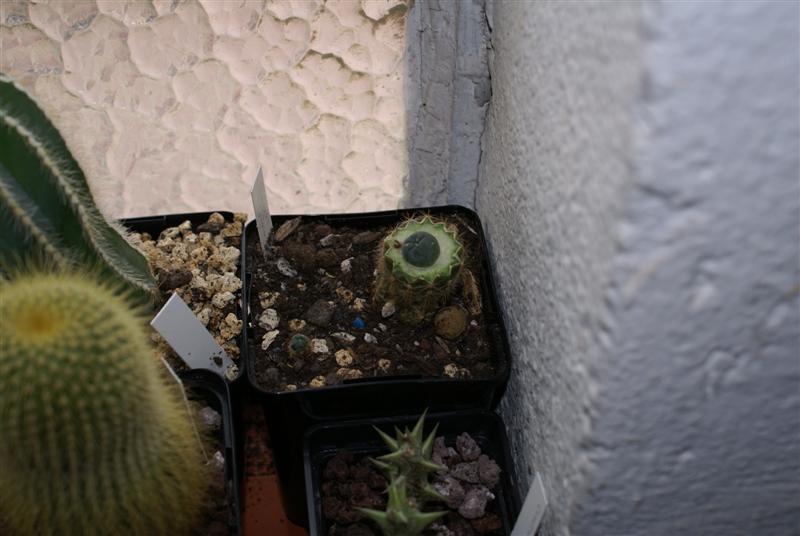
{"x": 555, "y": 171}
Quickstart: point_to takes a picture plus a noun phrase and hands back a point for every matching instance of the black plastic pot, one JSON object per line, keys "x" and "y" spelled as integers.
{"x": 212, "y": 389}
{"x": 153, "y": 225}
{"x": 323, "y": 441}
{"x": 291, "y": 413}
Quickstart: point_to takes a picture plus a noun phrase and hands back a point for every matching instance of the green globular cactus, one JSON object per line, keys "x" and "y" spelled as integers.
{"x": 408, "y": 467}
{"x": 417, "y": 267}
{"x": 46, "y": 206}
{"x": 94, "y": 439}
{"x": 402, "y": 516}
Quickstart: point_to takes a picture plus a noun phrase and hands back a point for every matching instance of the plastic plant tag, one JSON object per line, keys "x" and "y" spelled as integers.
{"x": 532, "y": 511}
{"x": 190, "y": 339}
{"x": 258, "y": 194}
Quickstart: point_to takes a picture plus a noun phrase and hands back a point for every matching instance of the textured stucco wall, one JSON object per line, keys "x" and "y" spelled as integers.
{"x": 697, "y": 427}
{"x": 555, "y": 167}
{"x": 171, "y": 105}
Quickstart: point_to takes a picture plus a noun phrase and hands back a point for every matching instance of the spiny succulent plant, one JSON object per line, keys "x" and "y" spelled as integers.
{"x": 410, "y": 457}
{"x": 46, "y": 206}
{"x": 417, "y": 267}
{"x": 402, "y": 516}
{"x": 94, "y": 439}
{"x": 408, "y": 466}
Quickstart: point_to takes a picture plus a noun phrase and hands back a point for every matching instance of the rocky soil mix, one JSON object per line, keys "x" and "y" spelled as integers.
{"x": 201, "y": 265}
{"x": 468, "y": 481}
{"x": 316, "y": 322}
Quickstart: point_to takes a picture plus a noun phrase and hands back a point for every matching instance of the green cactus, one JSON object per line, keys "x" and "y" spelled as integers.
{"x": 402, "y": 516}
{"x": 46, "y": 206}
{"x": 418, "y": 266}
{"x": 94, "y": 438}
{"x": 408, "y": 467}
{"x": 410, "y": 457}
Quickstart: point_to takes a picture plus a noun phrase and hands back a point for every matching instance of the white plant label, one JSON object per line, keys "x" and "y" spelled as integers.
{"x": 258, "y": 194}
{"x": 532, "y": 510}
{"x": 190, "y": 339}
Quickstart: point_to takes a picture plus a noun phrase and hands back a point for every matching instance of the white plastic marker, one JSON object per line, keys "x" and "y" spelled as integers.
{"x": 258, "y": 194}
{"x": 532, "y": 511}
{"x": 190, "y": 339}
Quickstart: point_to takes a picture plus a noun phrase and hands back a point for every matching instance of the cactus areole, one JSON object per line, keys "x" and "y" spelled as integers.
{"x": 421, "y": 259}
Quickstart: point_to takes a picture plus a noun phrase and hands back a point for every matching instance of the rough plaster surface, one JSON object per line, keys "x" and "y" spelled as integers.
{"x": 448, "y": 91}
{"x": 172, "y": 105}
{"x": 556, "y": 165}
{"x": 697, "y": 426}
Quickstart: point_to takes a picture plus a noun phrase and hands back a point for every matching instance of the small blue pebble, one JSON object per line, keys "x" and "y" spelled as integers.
{"x": 358, "y": 323}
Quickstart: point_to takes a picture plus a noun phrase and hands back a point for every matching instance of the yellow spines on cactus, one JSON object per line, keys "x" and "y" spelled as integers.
{"x": 418, "y": 264}
{"x": 94, "y": 440}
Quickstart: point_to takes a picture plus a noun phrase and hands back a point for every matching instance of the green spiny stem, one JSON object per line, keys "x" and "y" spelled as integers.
{"x": 95, "y": 440}
{"x": 402, "y": 516}
{"x": 46, "y": 206}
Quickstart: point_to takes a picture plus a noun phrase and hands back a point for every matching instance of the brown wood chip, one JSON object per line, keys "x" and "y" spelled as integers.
{"x": 287, "y": 228}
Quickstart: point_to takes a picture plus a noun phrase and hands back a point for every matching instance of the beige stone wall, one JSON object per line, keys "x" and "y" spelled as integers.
{"x": 172, "y": 105}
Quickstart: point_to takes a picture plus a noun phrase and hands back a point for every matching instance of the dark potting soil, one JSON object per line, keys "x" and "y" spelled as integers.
{"x": 319, "y": 280}
{"x": 466, "y": 480}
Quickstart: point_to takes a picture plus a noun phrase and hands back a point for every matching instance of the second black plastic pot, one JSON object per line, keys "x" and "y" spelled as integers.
{"x": 214, "y": 391}
{"x": 322, "y": 442}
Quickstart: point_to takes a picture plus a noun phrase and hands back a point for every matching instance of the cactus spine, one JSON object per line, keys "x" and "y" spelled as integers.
{"x": 46, "y": 206}
{"x": 408, "y": 466}
{"x": 417, "y": 267}
{"x": 95, "y": 441}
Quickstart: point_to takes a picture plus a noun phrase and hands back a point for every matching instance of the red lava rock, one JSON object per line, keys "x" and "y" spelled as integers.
{"x": 458, "y": 527}
{"x": 467, "y": 447}
{"x": 474, "y": 505}
{"x": 488, "y": 471}
{"x": 442, "y": 454}
{"x": 360, "y": 473}
{"x": 358, "y": 529}
{"x": 451, "y": 489}
{"x": 337, "y": 467}
{"x": 467, "y": 472}
{"x": 377, "y": 481}
{"x": 489, "y": 523}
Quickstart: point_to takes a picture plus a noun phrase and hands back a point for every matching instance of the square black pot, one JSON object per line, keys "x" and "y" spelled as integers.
{"x": 323, "y": 441}
{"x": 215, "y": 392}
{"x": 153, "y": 225}
{"x": 291, "y": 413}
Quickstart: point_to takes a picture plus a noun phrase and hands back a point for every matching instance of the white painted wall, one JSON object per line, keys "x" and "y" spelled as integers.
{"x": 641, "y": 190}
